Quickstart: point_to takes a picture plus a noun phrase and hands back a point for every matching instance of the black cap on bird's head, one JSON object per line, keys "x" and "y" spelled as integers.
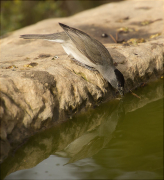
{"x": 120, "y": 81}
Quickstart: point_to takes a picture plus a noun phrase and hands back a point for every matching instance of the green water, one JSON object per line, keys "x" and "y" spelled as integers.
{"x": 117, "y": 140}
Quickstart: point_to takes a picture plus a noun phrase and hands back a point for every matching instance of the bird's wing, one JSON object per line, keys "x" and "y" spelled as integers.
{"x": 91, "y": 48}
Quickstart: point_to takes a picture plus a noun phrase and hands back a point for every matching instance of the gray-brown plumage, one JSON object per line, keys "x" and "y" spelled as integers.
{"x": 87, "y": 51}
{"x": 90, "y": 47}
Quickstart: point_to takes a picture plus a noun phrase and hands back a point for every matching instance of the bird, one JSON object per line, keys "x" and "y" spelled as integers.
{"x": 87, "y": 51}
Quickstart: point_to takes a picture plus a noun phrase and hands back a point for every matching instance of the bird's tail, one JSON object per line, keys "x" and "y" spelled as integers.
{"x": 57, "y": 37}
{"x": 36, "y": 36}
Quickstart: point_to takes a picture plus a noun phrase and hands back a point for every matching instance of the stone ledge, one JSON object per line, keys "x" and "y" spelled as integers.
{"x": 38, "y": 92}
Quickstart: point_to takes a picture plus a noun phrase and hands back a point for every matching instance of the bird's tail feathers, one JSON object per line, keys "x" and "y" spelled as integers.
{"x": 57, "y": 37}
{"x": 35, "y": 36}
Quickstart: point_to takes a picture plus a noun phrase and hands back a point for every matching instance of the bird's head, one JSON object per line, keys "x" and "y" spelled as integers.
{"x": 120, "y": 81}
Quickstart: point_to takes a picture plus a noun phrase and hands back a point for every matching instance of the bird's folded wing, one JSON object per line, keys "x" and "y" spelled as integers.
{"x": 91, "y": 48}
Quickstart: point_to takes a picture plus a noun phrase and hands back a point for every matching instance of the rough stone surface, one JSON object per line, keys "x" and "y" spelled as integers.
{"x": 37, "y": 92}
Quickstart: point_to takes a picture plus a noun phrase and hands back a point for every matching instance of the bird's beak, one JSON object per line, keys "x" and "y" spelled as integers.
{"x": 121, "y": 91}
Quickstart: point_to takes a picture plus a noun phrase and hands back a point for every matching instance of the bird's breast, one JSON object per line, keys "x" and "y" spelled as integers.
{"x": 71, "y": 50}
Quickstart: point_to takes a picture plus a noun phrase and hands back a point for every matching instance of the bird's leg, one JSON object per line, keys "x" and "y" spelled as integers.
{"x": 70, "y": 57}
{"x": 83, "y": 65}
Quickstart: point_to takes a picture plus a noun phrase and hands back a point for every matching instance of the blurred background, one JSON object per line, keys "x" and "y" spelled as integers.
{"x": 17, "y": 13}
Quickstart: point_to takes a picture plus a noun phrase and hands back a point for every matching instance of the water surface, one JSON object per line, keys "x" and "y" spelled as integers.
{"x": 117, "y": 140}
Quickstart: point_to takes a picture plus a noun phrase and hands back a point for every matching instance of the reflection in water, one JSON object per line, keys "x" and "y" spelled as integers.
{"x": 116, "y": 152}
{"x": 136, "y": 152}
{"x": 92, "y": 141}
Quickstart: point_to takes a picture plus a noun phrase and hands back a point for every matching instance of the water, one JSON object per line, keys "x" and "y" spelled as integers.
{"x": 117, "y": 140}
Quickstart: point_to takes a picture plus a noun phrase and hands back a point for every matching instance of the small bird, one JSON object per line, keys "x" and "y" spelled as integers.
{"x": 87, "y": 51}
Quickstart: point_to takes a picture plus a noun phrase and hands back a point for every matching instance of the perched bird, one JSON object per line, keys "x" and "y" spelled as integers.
{"x": 88, "y": 51}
